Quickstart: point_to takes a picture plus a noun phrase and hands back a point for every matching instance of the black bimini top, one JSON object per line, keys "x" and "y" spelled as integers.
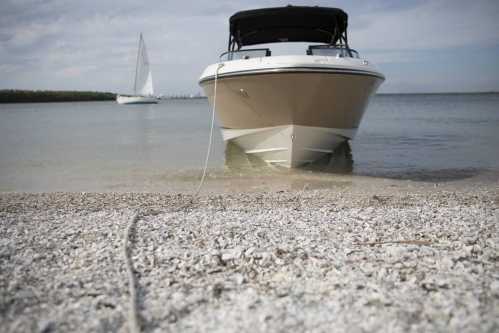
{"x": 288, "y": 24}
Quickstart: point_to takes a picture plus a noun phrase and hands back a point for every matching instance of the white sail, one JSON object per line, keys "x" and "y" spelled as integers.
{"x": 143, "y": 77}
{"x": 142, "y": 86}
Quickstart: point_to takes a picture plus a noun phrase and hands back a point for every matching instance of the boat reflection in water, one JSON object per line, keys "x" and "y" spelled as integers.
{"x": 340, "y": 161}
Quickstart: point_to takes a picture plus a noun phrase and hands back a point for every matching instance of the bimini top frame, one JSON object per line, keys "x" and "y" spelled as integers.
{"x": 288, "y": 24}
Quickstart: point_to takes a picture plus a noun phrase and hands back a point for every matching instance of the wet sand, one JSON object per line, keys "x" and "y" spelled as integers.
{"x": 352, "y": 254}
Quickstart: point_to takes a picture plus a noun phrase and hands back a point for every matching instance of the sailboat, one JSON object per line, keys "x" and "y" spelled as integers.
{"x": 143, "y": 90}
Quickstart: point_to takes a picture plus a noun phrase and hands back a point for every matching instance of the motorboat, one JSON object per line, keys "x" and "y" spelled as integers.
{"x": 290, "y": 110}
{"x": 143, "y": 89}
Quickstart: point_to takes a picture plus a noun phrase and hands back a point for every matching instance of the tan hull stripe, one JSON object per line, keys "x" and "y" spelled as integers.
{"x": 315, "y": 99}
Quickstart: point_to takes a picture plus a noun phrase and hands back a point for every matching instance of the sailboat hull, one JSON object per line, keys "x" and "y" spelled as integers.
{"x": 136, "y": 99}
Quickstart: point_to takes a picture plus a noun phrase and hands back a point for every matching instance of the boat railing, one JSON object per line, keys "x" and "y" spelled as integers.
{"x": 340, "y": 51}
{"x": 245, "y": 54}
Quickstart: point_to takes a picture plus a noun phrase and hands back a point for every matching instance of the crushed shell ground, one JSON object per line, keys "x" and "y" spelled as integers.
{"x": 288, "y": 261}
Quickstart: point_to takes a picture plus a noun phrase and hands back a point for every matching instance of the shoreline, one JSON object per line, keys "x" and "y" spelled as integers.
{"x": 227, "y": 181}
{"x": 14, "y": 96}
{"x": 404, "y": 258}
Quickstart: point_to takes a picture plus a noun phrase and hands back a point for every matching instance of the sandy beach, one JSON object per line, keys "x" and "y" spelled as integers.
{"x": 387, "y": 256}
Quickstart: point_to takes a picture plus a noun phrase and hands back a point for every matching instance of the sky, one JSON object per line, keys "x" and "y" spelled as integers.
{"x": 420, "y": 46}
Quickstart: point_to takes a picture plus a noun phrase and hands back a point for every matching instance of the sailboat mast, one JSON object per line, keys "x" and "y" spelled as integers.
{"x": 137, "y": 65}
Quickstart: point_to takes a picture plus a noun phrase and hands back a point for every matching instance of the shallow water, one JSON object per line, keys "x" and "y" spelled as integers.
{"x": 102, "y": 146}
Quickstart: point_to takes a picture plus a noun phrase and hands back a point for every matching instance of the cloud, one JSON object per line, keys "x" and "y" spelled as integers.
{"x": 54, "y": 44}
{"x": 24, "y": 36}
{"x": 431, "y": 25}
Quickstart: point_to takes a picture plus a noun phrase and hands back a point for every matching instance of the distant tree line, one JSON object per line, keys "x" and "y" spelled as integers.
{"x": 40, "y": 96}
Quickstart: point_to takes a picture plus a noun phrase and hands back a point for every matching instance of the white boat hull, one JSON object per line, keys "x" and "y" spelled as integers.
{"x": 289, "y": 145}
{"x": 136, "y": 99}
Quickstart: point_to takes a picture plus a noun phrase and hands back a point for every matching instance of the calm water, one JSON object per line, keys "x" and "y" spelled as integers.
{"x": 97, "y": 146}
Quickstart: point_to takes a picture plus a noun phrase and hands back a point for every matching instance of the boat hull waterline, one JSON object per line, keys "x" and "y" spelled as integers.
{"x": 293, "y": 113}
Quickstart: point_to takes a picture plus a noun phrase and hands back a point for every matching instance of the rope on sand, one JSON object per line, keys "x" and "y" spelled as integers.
{"x": 133, "y": 318}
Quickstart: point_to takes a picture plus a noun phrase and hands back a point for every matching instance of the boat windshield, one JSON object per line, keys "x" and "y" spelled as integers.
{"x": 339, "y": 51}
{"x": 245, "y": 54}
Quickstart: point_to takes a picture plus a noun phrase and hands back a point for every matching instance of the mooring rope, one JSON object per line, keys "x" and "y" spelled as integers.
{"x": 210, "y": 141}
{"x": 133, "y": 317}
